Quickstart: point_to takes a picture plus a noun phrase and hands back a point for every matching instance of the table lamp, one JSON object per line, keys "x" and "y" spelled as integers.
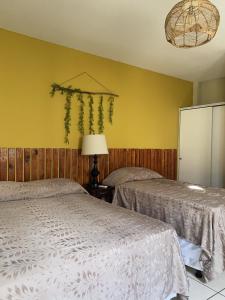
{"x": 94, "y": 144}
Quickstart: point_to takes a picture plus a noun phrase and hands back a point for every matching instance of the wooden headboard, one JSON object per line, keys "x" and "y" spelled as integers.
{"x": 23, "y": 164}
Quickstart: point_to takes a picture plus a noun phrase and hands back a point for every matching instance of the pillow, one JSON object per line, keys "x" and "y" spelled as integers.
{"x": 123, "y": 175}
{"x": 38, "y": 189}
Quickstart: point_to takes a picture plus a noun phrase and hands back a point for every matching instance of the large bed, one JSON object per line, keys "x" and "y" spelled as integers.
{"x": 197, "y": 213}
{"x": 59, "y": 243}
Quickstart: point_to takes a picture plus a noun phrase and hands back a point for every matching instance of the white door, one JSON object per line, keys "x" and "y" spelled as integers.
{"x": 195, "y": 146}
{"x": 218, "y": 147}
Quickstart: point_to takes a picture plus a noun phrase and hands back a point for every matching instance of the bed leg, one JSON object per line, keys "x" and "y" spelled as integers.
{"x": 198, "y": 274}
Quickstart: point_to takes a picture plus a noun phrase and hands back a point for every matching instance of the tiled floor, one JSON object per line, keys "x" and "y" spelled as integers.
{"x": 214, "y": 290}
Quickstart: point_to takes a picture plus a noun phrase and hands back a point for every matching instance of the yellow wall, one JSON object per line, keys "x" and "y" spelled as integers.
{"x": 146, "y": 114}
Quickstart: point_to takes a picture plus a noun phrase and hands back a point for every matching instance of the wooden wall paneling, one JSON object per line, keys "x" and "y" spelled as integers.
{"x": 145, "y": 159}
{"x": 55, "y": 163}
{"x": 116, "y": 159}
{"x": 171, "y": 173}
{"x": 151, "y": 158}
{"x": 141, "y": 158}
{"x": 133, "y": 157}
{"x": 164, "y": 163}
{"x": 111, "y": 160}
{"x": 62, "y": 163}
{"x": 148, "y": 155}
{"x": 90, "y": 165}
{"x": 121, "y": 158}
{"x": 48, "y": 163}
{"x": 174, "y": 164}
{"x": 102, "y": 167}
{"x": 127, "y": 158}
{"x": 68, "y": 169}
{"x": 19, "y": 164}
{"x": 75, "y": 164}
{"x": 155, "y": 161}
{"x": 124, "y": 157}
{"x": 137, "y": 157}
{"x": 129, "y": 162}
{"x": 86, "y": 173}
{"x": 106, "y": 165}
{"x": 3, "y": 164}
{"x": 132, "y": 154}
{"x": 158, "y": 161}
{"x": 34, "y": 164}
{"x": 80, "y": 177}
{"x": 168, "y": 164}
{"x": 169, "y": 160}
{"x": 31, "y": 164}
{"x": 41, "y": 163}
{"x": 12, "y": 164}
{"x": 161, "y": 161}
{"x": 27, "y": 164}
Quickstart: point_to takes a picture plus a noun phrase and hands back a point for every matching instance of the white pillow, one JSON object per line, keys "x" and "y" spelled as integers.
{"x": 38, "y": 189}
{"x": 123, "y": 175}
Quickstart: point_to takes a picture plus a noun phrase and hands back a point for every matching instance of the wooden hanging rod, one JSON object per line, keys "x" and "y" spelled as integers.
{"x": 56, "y": 87}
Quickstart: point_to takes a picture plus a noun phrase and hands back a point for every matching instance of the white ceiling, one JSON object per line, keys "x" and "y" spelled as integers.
{"x": 130, "y": 31}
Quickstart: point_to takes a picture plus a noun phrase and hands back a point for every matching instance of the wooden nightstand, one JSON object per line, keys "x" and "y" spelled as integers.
{"x": 104, "y": 193}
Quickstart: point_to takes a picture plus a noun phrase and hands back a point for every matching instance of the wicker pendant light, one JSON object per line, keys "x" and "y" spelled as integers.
{"x": 192, "y": 23}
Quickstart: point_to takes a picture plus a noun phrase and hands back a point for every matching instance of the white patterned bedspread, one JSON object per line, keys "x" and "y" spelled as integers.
{"x": 74, "y": 246}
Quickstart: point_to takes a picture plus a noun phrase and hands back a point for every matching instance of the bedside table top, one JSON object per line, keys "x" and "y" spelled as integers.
{"x": 99, "y": 187}
{"x": 100, "y": 192}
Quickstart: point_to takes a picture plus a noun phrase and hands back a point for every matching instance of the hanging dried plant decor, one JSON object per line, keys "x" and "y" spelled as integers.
{"x": 100, "y": 116}
{"x": 67, "y": 118}
{"x": 91, "y": 115}
{"x": 69, "y": 92}
{"x": 111, "y": 111}
{"x": 81, "y": 114}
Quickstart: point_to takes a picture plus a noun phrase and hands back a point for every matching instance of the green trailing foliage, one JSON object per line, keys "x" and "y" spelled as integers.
{"x": 81, "y": 114}
{"x": 91, "y": 115}
{"x": 69, "y": 92}
{"x": 67, "y": 118}
{"x": 111, "y": 109}
{"x": 100, "y": 116}
{"x": 63, "y": 90}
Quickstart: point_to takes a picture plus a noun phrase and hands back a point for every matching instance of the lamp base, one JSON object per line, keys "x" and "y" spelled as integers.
{"x": 94, "y": 173}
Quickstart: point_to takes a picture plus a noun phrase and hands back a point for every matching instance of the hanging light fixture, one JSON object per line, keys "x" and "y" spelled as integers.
{"x": 192, "y": 23}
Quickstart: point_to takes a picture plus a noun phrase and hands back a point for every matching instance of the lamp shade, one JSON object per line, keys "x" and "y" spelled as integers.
{"x": 192, "y": 23}
{"x": 94, "y": 144}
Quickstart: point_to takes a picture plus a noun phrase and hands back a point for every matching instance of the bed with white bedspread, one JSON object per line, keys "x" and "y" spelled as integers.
{"x": 59, "y": 243}
{"x": 197, "y": 213}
